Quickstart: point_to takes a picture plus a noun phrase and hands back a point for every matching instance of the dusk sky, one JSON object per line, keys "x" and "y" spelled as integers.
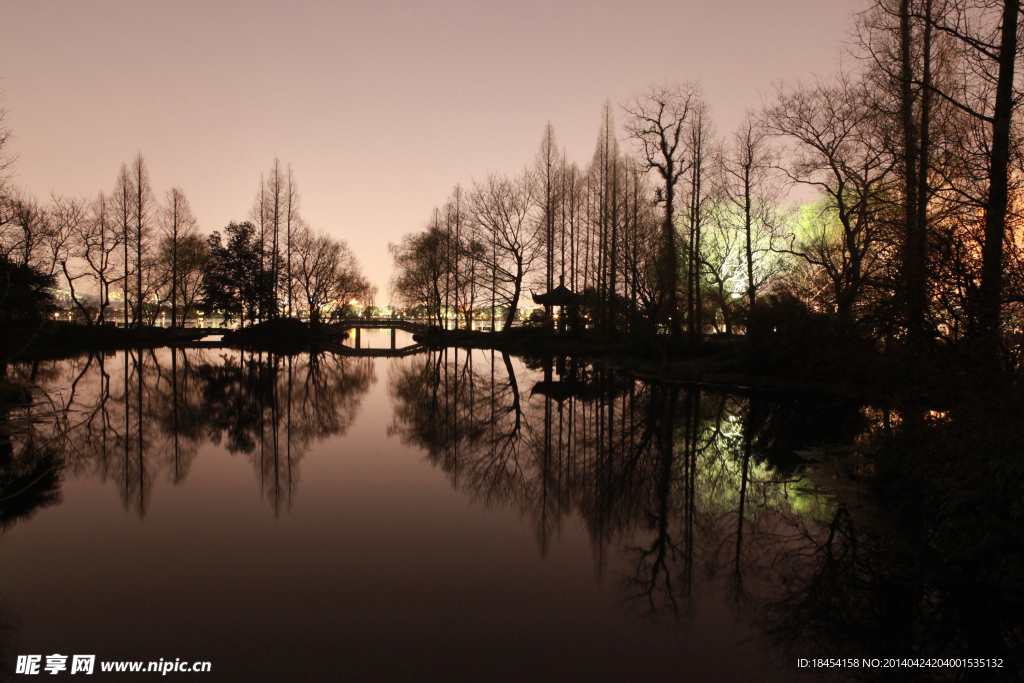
{"x": 380, "y": 107}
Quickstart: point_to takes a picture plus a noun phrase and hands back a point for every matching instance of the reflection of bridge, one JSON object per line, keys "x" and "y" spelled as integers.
{"x": 196, "y": 338}
{"x": 342, "y": 350}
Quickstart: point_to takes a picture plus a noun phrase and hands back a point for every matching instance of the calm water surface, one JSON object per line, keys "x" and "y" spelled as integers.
{"x": 447, "y": 516}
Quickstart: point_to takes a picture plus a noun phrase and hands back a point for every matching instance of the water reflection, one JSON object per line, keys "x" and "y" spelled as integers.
{"x": 705, "y": 498}
{"x": 140, "y": 415}
{"x": 273, "y": 408}
{"x": 28, "y": 482}
{"x": 694, "y": 502}
{"x": 622, "y": 454}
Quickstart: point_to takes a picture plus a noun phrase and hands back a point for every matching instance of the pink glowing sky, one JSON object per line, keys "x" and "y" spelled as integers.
{"x": 380, "y": 107}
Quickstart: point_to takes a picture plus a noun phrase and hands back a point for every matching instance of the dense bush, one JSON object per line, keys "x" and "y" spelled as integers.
{"x": 785, "y": 335}
{"x": 283, "y": 335}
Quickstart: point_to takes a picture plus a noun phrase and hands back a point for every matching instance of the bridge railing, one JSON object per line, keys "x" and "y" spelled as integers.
{"x": 379, "y": 323}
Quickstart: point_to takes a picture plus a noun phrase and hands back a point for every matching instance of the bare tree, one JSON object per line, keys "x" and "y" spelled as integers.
{"x": 276, "y": 210}
{"x": 640, "y": 252}
{"x": 906, "y": 59}
{"x": 142, "y": 217}
{"x": 571, "y": 219}
{"x": 327, "y": 274}
{"x": 67, "y": 218}
{"x": 502, "y": 210}
{"x": 606, "y": 176}
{"x": 121, "y": 199}
{"x": 28, "y": 234}
{"x": 833, "y": 149}
{"x": 700, "y": 149}
{"x": 461, "y": 267}
{"x": 97, "y": 244}
{"x": 986, "y": 32}
{"x": 293, "y": 222}
{"x": 275, "y": 205}
{"x": 178, "y": 223}
{"x": 546, "y": 172}
{"x": 657, "y": 120}
{"x": 753, "y": 203}
{"x": 723, "y": 258}
{"x": 7, "y": 160}
{"x": 193, "y": 255}
{"x": 420, "y": 264}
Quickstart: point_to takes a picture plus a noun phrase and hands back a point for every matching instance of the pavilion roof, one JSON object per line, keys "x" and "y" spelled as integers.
{"x": 559, "y": 296}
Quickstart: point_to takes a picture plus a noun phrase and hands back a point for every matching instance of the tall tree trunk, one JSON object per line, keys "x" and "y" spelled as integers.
{"x": 923, "y": 192}
{"x": 749, "y": 238}
{"x": 510, "y": 315}
{"x": 913, "y": 259}
{"x": 670, "y": 258}
{"x": 990, "y": 292}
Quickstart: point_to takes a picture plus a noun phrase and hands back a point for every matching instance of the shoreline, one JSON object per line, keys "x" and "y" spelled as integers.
{"x": 734, "y": 363}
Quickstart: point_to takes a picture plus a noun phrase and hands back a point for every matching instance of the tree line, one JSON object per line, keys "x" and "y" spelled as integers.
{"x": 910, "y": 152}
{"x": 130, "y": 247}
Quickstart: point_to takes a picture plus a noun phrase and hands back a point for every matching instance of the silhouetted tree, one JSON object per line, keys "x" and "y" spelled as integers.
{"x": 986, "y": 33}
{"x": 188, "y": 258}
{"x": 142, "y": 208}
{"x": 326, "y": 274}
{"x": 834, "y": 151}
{"x": 235, "y": 280}
{"x": 97, "y": 243}
{"x": 752, "y": 204}
{"x": 509, "y": 235}
{"x": 121, "y": 199}
{"x": 657, "y": 120}
{"x": 178, "y": 224}
{"x": 25, "y": 300}
{"x": 420, "y": 261}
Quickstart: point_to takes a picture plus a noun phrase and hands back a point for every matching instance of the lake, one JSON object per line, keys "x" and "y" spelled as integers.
{"x": 449, "y": 515}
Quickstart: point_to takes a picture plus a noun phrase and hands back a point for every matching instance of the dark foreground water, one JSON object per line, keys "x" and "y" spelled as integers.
{"x": 449, "y": 517}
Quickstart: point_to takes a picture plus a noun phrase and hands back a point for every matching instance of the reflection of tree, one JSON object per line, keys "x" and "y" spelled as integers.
{"x": 143, "y": 414}
{"x": 656, "y": 561}
{"x": 31, "y": 466}
{"x": 29, "y": 480}
{"x": 470, "y": 420}
{"x": 592, "y": 443}
{"x": 861, "y": 595}
{"x": 700, "y": 494}
{"x": 179, "y": 411}
{"x": 126, "y": 421}
{"x": 917, "y": 588}
{"x": 578, "y": 444}
{"x": 272, "y": 408}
